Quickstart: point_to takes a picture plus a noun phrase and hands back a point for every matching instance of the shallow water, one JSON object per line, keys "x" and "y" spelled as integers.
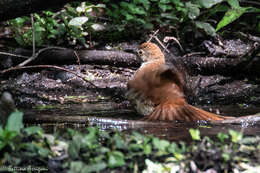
{"x": 127, "y": 121}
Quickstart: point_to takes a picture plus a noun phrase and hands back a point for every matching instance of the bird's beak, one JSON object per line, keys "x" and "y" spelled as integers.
{"x": 133, "y": 51}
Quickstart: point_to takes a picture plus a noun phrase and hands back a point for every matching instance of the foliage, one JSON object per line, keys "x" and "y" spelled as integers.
{"x": 19, "y": 145}
{"x": 77, "y": 21}
{"x": 94, "y": 150}
{"x": 69, "y": 26}
{"x": 173, "y": 14}
{"x": 195, "y": 134}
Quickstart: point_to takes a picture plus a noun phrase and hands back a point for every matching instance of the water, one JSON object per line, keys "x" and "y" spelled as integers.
{"x": 126, "y": 121}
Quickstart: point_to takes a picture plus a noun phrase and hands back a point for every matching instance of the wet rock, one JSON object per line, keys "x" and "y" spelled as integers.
{"x": 7, "y": 106}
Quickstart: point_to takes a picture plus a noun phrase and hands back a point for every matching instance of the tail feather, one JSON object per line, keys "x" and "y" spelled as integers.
{"x": 182, "y": 112}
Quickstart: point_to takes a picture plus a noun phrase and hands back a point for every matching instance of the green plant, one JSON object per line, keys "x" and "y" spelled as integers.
{"x": 78, "y": 21}
{"x": 45, "y": 26}
{"x": 14, "y": 142}
{"x": 146, "y": 14}
{"x": 195, "y": 134}
{"x": 71, "y": 25}
{"x": 175, "y": 14}
{"x": 234, "y": 13}
{"x": 95, "y": 151}
{"x": 11, "y": 131}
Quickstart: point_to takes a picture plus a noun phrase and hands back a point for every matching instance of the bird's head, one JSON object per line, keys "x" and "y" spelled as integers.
{"x": 150, "y": 52}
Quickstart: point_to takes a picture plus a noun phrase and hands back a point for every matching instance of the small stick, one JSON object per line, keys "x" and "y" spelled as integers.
{"x": 159, "y": 41}
{"x": 10, "y": 54}
{"x": 167, "y": 39}
{"x": 33, "y": 35}
{"x": 250, "y": 37}
{"x": 193, "y": 53}
{"x": 36, "y": 55}
{"x": 151, "y": 36}
{"x": 78, "y": 59}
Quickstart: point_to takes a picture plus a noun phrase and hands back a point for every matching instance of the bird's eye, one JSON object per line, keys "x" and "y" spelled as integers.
{"x": 140, "y": 52}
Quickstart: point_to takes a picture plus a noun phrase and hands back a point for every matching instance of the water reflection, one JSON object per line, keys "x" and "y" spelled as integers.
{"x": 173, "y": 131}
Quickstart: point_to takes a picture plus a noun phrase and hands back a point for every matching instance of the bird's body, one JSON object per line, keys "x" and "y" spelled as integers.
{"x": 157, "y": 91}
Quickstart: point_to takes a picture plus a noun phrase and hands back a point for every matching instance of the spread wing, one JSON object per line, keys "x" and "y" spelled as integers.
{"x": 172, "y": 74}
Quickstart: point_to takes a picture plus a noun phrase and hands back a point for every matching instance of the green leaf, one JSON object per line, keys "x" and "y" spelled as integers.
{"x": 78, "y": 21}
{"x": 235, "y": 136}
{"x": 209, "y": 3}
{"x": 161, "y": 145}
{"x": 15, "y": 122}
{"x": 100, "y": 6}
{"x": 195, "y": 134}
{"x": 163, "y": 7}
{"x": 19, "y": 21}
{"x": 173, "y": 148}
{"x": 124, "y": 5}
{"x": 146, "y": 4}
{"x": 165, "y": 1}
{"x": 129, "y": 17}
{"x": 222, "y": 137}
{"x": 119, "y": 141}
{"x": 38, "y": 27}
{"x": 43, "y": 152}
{"x": 148, "y": 25}
{"x": 169, "y": 16}
{"x": 233, "y": 3}
{"x": 147, "y": 149}
{"x": 193, "y": 10}
{"x": 76, "y": 166}
{"x": 33, "y": 130}
{"x": 1, "y": 131}
{"x": 226, "y": 156}
{"x": 138, "y": 10}
{"x": 116, "y": 159}
{"x": 20, "y": 40}
{"x": 74, "y": 147}
{"x": 252, "y": 10}
{"x": 206, "y": 27}
{"x": 94, "y": 167}
{"x": 134, "y": 147}
{"x": 219, "y": 8}
{"x": 259, "y": 27}
{"x": 230, "y": 16}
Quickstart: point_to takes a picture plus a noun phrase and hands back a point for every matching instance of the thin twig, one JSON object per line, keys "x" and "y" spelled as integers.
{"x": 159, "y": 41}
{"x": 33, "y": 35}
{"x": 193, "y": 54}
{"x": 36, "y": 55}
{"x": 10, "y": 54}
{"x": 151, "y": 36}
{"x": 78, "y": 59}
{"x": 47, "y": 66}
{"x": 167, "y": 39}
{"x": 250, "y": 37}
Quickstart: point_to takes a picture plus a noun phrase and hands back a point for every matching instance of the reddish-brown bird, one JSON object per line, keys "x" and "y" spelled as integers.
{"x": 158, "y": 92}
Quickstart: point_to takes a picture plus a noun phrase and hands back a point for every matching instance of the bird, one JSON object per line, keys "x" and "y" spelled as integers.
{"x": 157, "y": 90}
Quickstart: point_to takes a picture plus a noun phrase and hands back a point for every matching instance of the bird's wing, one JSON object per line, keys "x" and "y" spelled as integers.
{"x": 172, "y": 74}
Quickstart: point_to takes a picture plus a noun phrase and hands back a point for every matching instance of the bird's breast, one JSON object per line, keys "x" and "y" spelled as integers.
{"x": 143, "y": 106}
